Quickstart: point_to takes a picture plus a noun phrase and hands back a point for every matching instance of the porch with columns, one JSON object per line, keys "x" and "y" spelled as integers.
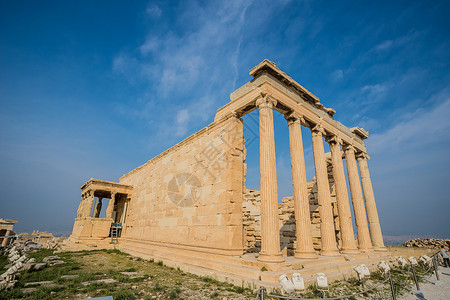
{"x": 304, "y": 109}
{"x": 88, "y": 223}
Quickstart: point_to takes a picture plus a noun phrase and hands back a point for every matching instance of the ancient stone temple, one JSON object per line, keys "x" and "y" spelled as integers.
{"x": 189, "y": 206}
{"x": 6, "y": 231}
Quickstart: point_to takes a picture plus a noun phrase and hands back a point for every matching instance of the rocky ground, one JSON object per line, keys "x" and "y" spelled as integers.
{"x": 98, "y": 273}
{"x": 42, "y": 274}
{"x": 427, "y": 243}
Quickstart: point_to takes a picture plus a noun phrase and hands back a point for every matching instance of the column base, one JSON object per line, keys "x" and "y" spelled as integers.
{"x": 380, "y": 249}
{"x": 329, "y": 252}
{"x": 304, "y": 254}
{"x": 350, "y": 251}
{"x": 366, "y": 250}
{"x": 270, "y": 258}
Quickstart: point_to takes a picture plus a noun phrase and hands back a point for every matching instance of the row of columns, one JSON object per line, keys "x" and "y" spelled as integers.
{"x": 95, "y": 205}
{"x": 270, "y": 240}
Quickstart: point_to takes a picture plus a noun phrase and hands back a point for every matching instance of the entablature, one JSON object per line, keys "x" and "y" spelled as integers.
{"x": 104, "y": 189}
{"x": 243, "y": 101}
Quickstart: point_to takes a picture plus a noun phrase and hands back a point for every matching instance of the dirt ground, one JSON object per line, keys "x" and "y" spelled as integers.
{"x": 98, "y": 273}
{"x": 431, "y": 291}
{"x": 407, "y": 252}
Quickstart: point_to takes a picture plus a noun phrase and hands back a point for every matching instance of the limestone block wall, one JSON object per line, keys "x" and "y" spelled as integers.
{"x": 191, "y": 194}
{"x": 251, "y": 207}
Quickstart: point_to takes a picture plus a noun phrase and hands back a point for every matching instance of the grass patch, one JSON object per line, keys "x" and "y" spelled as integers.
{"x": 155, "y": 279}
{"x": 40, "y": 254}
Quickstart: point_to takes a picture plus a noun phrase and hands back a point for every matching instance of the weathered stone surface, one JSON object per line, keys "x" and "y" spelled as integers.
{"x": 56, "y": 262}
{"x": 51, "y": 258}
{"x": 190, "y": 201}
{"x": 69, "y": 276}
{"x": 106, "y": 280}
{"x": 47, "y": 283}
{"x": 427, "y": 243}
{"x": 39, "y": 266}
{"x": 28, "y": 266}
{"x": 131, "y": 274}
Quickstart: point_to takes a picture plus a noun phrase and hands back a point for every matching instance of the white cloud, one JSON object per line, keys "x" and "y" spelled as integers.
{"x": 422, "y": 128}
{"x": 151, "y": 45}
{"x": 154, "y": 11}
{"x": 400, "y": 41}
{"x": 384, "y": 45}
{"x": 187, "y": 65}
{"x": 182, "y": 119}
{"x": 337, "y": 75}
{"x": 373, "y": 93}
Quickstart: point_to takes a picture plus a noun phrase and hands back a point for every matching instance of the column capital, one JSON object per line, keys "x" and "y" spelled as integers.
{"x": 362, "y": 156}
{"x": 348, "y": 148}
{"x": 333, "y": 139}
{"x": 266, "y": 101}
{"x": 318, "y": 129}
{"x": 294, "y": 117}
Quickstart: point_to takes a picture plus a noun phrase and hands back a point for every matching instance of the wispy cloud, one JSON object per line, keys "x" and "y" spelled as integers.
{"x": 154, "y": 10}
{"x": 410, "y": 37}
{"x": 175, "y": 63}
{"x": 337, "y": 75}
{"x": 417, "y": 130}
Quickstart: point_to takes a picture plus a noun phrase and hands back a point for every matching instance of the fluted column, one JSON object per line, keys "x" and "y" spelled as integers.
{"x": 371, "y": 208}
{"x": 270, "y": 234}
{"x": 345, "y": 216}
{"x": 364, "y": 242}
{"x": 305, "y": 248}
{"x": 5, "y": 241}
{"x": 110, "y": 209}
{"x": 328, "y": 236}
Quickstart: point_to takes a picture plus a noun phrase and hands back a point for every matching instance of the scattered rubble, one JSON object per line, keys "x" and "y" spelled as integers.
{"x": 17, "y": 255}
{"x": 426, "y": 243}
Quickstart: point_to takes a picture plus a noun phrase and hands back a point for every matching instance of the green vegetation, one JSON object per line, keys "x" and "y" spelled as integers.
{"x": 152, "y": 279}
{"x": 156, "y": 279}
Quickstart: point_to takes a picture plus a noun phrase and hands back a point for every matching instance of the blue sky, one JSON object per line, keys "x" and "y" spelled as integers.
{"x": 95, "y": 89}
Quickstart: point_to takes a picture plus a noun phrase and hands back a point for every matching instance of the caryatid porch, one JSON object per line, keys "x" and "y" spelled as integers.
{"x": 300, "y": 107}
{"x": 93, "y": 193}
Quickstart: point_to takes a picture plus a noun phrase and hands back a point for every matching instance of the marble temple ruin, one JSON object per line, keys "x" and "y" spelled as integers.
{"x": 189, "y": 206}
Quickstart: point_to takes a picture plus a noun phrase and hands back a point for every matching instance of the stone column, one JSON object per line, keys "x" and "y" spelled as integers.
{"x": 305, "y": 248}
{"x": 5, "y": 241}
{"x": 270, "y": 233}
{"x": 98, "y": 208}
{"x": 80, "y": 210}
{"x": 89, "y": 204}
{"x": 372, "y": 212}
{"x": 125, "y": 206}
{"x": 345, "y": 216}
{"x": 94, "y": 208}
{"x": 328, "y": 234}
{"x": 110, "y": 209}
{"x": 364, "y": 242}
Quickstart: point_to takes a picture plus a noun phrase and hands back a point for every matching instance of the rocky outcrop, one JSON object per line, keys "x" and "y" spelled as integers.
{"x": 427, "y": 243}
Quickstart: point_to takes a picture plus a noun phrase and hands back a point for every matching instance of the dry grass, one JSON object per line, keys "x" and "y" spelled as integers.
{"x": 153, "y": 279}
